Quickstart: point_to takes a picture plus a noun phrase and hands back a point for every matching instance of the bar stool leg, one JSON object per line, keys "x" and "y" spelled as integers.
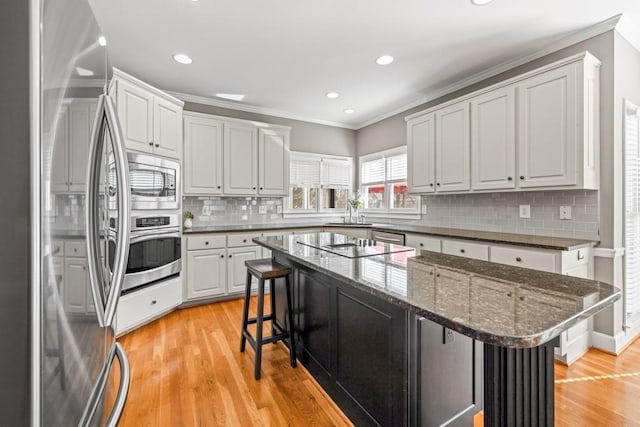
{"x": 292, "y": 345}
{"x": 245, "y": 311}
{"x": 259, "y": 328}
{"x": 272, "y": 286}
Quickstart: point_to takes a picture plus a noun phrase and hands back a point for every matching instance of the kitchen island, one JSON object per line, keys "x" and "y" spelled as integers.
{"x": 403, "y": 340}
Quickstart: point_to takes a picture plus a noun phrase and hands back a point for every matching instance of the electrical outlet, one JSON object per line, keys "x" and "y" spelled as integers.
{"x": 279, "y": 209}
{"x": 262, "y": 209}
{"x": 206, "y": 210}
{"x": 565, "y": 212}
{"x": 525, "y": 211}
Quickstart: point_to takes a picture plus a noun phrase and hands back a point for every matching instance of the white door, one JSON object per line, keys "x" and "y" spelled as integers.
{"x": 421, "y": 154}
{"x": 167, "y": 128}
{"x": 236, "y": 268}
{"x": 493, "y": 140}
{"x": 202, "y": 155}
{"x": 135, "y": 111}
{"x": 60, "y": 152}
{"x": 76, "y": 284}
{"x": 452, "y": 148}
{"x": 547, "y": 120}
{"x": 206, "y": 273}
{"x": 240, "y": 159}
{"x": 81, "y": 116}
{"x": 273, "y": 162}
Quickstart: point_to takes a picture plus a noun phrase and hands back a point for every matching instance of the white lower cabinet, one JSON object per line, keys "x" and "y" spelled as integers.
{"x": 76, "y": 280}
{"x": 137, "y": 308}
{"x": 237, "y": 272}
{"x": 465, "y": 249}
{"x": 422, "y": 243}
{"x": 206, "y": 273}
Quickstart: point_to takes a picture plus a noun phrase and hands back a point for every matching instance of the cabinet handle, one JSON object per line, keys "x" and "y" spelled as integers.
{"x": 230, "y": 256}
{"x": 462, "y": 251}
{"x": 206, "y": 243}
{"x": 522, "y": 177}
{"x": 151, "y": 144}
{"x": 157, "y": 145}
{"x": 518, "y": 259}
{"x": 421, "y": 244}
{"x": 438, "y": 184}
{"x": 254, "y": 188}
{"x": 221, "y": 256}
{"x": 219, "y": 187}
{"x": 431, "y": 184}
{"x": 431, "y": 273}
{"x": 580, "y": 256}
{"x": 71, "y": 183}
{"x": 521, "y": 298}
{"x": 153, "y": 302}
{"x": 75, "y": 249}
{"x": 261, "y": 188}
{"x": 509, "y": 294}
{"x": 244, "y": 240}
{"x": 438, "y": 275}
{"x": 509, "y": 178}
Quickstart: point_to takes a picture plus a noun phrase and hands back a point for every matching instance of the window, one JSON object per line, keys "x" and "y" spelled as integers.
{"x": 383, "y": 181}
{"x": 319, "y": 184}
{"x": 632, "y": 212}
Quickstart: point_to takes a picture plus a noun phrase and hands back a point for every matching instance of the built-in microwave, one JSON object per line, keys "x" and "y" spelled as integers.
{"x": 154, "y": 182}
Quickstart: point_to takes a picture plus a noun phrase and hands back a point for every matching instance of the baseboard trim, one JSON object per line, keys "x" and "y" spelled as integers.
{"x": 615, "y": 344}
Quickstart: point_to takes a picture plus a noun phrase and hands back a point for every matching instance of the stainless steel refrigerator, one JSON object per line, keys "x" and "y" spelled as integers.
{"x": 61, "y": 155}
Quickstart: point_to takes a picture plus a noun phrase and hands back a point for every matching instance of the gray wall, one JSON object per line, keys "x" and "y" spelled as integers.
{"x": 15, "y": 193}
{"x": 305, "y": 136}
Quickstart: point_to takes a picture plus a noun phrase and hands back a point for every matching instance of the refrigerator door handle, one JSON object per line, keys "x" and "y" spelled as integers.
{"x": 107, "y": 121}
{"x": 123, "y": 390}
{"x": 124, "y": 211}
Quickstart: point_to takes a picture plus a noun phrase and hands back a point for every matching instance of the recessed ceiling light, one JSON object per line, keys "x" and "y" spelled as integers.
{"x": 384, "y": 60}
{"x": 349, "y": 111}
{"x": 332, "y": 95}
{"x": 182, "y": 58}
{"x": 481, "y": 2}
{"x": 231, "y": 96}
{"x": 102, "y": 41}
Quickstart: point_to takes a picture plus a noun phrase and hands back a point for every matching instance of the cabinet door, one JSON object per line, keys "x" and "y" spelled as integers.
{"x": 135, "y": 111}
{"x": 422, "y": 243}
{"x": 167, "y": 128}
{"x": 80, "y": 121}
{"x": 206, "y": 273}
{"x": 60, "y": 151}
{"x": 273, "y": 162}
{"x": 236, "y": 268}
{"x": 240, "y": 159}
{"x": 202, "y": 156}
{"x": 493, "y": 141}
{"x": 547, "y": 122}
{"x": 76, "y": 285}
{"x": 421, "y": 154}
{"x": 452, "y": 148}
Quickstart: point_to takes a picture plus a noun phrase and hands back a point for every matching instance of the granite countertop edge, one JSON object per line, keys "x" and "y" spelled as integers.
{"x": 509, "y": 341}
{"x": 541, "y": 242}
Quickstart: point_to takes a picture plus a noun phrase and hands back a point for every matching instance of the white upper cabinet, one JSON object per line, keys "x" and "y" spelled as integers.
{"x": 493, "y": 140}
{"x": 151, "y": 120}
{"x": 421, "y": 154}
{"x": 202, "y": 155}
{"x": 452, "y": 148}
{"x": 535, "y": 131}
{"x": 273, "y": 162}
{"x": 547, "y": 118}
{"x": 240, "y": 159}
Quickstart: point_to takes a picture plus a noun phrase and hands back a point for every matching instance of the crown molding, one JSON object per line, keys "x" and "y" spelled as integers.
{"x": 571, "y": 39}
{"x": 258, "y": 110}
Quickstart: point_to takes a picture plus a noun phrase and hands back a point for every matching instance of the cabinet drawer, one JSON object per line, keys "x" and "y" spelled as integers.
{"x": 238, "y": 240}
{"x": 75, "y": 249}
{"x": 206, "y": 242}
{"x": 144, "y": 305}
{"x": 465, "y": 249}
{"x": 423, "y": 243}
{"x": 537, "y": 260}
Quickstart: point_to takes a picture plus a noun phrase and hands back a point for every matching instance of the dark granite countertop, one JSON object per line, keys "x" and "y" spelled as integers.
{"x": 543, "y": 242}
{"x": 494, "y": 303}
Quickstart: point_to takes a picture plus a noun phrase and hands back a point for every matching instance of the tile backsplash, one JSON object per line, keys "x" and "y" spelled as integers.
{"x": 233, "y": 210}
{"x": 499, "y": 212}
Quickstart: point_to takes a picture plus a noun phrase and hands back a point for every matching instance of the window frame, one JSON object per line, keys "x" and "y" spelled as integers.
{"x": 388, "y": 210}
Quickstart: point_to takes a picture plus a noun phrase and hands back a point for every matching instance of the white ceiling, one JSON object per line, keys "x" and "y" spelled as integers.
{"x": 284, "y": 55}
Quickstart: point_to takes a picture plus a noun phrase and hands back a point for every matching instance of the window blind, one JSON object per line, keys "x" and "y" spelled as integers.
{"x": 632, "y": 209}
{"x": 397, "y": 167}
{"x": 304, "y": 172}
{"x": 336, "y": 174}
{"x": 373, "y": 171}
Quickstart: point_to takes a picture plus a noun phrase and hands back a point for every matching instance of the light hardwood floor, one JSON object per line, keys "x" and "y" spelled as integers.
{"x": 187, "y": 371}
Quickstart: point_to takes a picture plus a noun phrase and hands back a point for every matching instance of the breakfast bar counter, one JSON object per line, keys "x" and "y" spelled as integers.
{"x": 356, "y": 305}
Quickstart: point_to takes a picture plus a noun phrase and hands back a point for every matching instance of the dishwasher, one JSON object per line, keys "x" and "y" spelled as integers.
{"x": 388, "y": 237}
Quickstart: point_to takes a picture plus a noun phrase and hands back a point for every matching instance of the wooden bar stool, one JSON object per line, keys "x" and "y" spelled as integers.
{"x": 266, "y": 269}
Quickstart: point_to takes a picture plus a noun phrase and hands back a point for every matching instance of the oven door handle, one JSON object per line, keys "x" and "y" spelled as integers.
{"x": 153, "y": 236}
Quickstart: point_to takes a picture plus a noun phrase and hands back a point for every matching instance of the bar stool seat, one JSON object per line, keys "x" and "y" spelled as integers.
{"x": 266, "y": 269}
